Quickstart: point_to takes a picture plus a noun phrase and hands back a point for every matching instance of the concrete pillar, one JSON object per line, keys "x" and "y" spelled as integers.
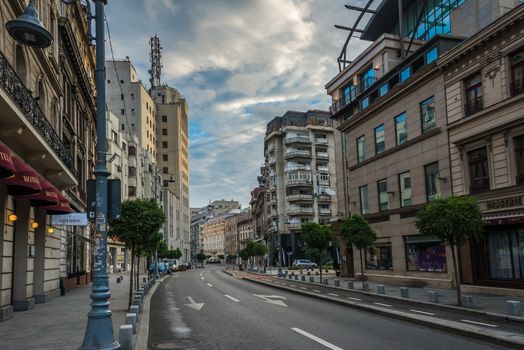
{"x": 126, "y": 337}
{"x": 131, "y": 319}
{"x": 39, "y": 260}
{"x": 21, "y": 301}
{"x": 337, "y": 283}
{"x": 514, "y": 308}
{"x": 381, "y": 289}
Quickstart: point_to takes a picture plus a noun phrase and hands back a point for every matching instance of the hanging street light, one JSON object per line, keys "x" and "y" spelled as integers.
{"x": 28, "y": 30}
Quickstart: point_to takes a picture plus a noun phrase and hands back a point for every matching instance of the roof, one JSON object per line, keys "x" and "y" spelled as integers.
{"x": 384, "y": 19}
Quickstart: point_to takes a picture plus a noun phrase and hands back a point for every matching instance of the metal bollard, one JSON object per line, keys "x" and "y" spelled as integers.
{"x": 118, "y": 280}
{"x": 325, "y": 281}
{"x": 404, "y": 292}
{"x": 337, "y": 283}
{"x": 126, "y": 337}
{"x": 350, "y": 285}
{"x": 311, "y": 279}
{"x": 296, "y": 277}
{"x": 303, "y": 278}
{"x": 467, "y": 300}
{"x": 131, "y": 319}
{"x": 381, "y": 289}
{"x": 433, "y": 296}
{"x": 301, "y": 272}
{"x": 365, "y": 286}
{"x": 134, "y": 309}
{"x": 514, "y": 308}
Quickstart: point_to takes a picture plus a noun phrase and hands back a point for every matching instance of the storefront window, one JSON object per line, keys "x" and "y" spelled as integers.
{"x": 378, "y": 257}
{"x": 502, "y": 253}
{"x": 425, "y": 254}
{"x": 75, "y": 255}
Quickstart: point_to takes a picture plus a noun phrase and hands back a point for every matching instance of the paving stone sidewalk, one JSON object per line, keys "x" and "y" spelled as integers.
{"x": 61, "y": 323}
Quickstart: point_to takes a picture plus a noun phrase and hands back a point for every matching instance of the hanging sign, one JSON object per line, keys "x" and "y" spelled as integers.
{"x": 72, "y": 219}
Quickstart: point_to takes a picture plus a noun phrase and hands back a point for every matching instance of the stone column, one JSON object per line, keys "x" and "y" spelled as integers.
{"x": 21, "y": 302}
{"x": 39, "y": 261}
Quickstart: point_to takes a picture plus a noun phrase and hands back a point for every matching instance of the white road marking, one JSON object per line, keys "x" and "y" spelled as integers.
{"x": 209, "y": 284}
{"x": 317, "y": 339}
{"x": 292, "y": 285}
{"x": 385, "y": 305}
{"x": 230, "y": 297}
{"x": 193, "y": 305}
{"x": 271, "y": 299}
{"x": 480, "y": 323}
{"x": 202, "y": 278}
{"x": 315, "y": 290}
{"x": 423, "y": 312}
{"x": 333, "y": 294}
{"x": 357, "y": 299}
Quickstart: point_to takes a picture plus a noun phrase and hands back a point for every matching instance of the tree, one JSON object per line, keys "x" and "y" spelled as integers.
{"x": 138, "y": 227}
{"x": 316, "y": 239}
{"x": 454, "y": 220}
{"x": 231, "y": 257}
{"x": 244, "y": 255}
{"x": 201, "y": 257}
{"x": 175, "y": 254}
{"x": 260, "y": 249}
{"x": 356, "y": 231}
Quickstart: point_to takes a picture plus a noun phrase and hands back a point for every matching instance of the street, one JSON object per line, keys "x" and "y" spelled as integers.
{"x": 208, "y": 309}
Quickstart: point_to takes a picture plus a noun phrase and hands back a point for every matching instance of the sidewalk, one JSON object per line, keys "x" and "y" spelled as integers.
{"x": 61, "y": 323}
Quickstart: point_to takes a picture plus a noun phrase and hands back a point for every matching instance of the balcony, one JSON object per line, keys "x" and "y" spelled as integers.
{"x": 516, "y": 88}
{"x": 321, "y": 141}
{"x": 352, "y": 96}
{"x": 298, "y": 167}
{"x": 324, "y": 198}
{"x": 322, "y": 155}
{"x": 299, "y": 182}
{"x": 481, "y": 186}
{"x": 272, "y": 201}
{"x": 294, "y": 226}
{"x": 323, "y": 169}
{"x": 324, "y": 211}
{"x": 297, "y": 154}
{"x": 272, "y": 161}
{"x": 297, "y": 139}
{"x": 271, "y": 147}
{"x": 323, "y": 182}
{"x": 20, "y": 111}
{"x": 473, "y": 106}
{"x": 299, "y": 197}
{"x": 300, "y": 211}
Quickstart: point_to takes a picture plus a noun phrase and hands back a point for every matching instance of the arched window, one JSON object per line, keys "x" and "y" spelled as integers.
{"x": 20, "y": 63}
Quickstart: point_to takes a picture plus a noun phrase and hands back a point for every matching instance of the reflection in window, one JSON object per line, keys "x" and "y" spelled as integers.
{"x": 474, "y": 100}
{"x": 379, "y": 257}
{"x": 519, "y": 156}
{"x": 405, "y": 74}
{"x": 380, "y": 142}
{"x": 405, "y": 189}
{"x": 364, "y": 206}
{"x": 364, "y": 103}
{"x": 432, "y": 182}
{"x": 383, "y": 89}
{"x": 383, "y": 199}
{"x": 427, "y": 114}
{"x": 401, "y": 128}
{"x": 361, "y": 149}
{"x": 478, "y": 170}
{"x": 431, "y": 55}
{"x": 425, "y": 254}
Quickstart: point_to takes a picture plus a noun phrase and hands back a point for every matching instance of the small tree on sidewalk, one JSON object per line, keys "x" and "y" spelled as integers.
{"x": 454, "y": 220}
{"x": 201, "y": 257}
{"x": 259, "y": 250}
{"x": 316, "y": 239}
{"x": 356, "y": 231}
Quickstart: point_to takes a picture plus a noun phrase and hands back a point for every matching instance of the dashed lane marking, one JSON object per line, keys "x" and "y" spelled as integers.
{"x": 209, "y": 284}
{"x": 356, "y": 299}
{"x": 202, "y": 278}
{"x": 317, "y": 339}
{"x": 381, "y": 304}
{"x": 480, "y": 323}
{"x": 316, "y": 290}
{"x": 422, "y": 312}
{"x": 231, "y": 298}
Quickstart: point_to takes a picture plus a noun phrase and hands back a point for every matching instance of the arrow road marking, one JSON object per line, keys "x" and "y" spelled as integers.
{"x": 230, "y": 297}
{"x": 269, "y": 299}
{"x": 480, "y": 323}
{"x": 193, "y": 305}
{"x": 317, "y": 339}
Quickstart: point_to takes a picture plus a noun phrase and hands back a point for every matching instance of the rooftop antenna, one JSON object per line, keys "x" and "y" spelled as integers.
{"x": 156, "y": 61}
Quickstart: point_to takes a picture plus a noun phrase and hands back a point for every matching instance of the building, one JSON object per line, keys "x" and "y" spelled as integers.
{"x": 213, "y": 236}
{"x": 47, "y": 142}
{"x": 198, "y": 217}
{"x": 484, "y": 88}
{"x": 231, "y": 234}
{"x": 390, "y": 104}
{"x": 173, "y": 160}
{"x": 246, "y": 233}
{"x": 223, "y": 206}
{"x": 299, "y": 150}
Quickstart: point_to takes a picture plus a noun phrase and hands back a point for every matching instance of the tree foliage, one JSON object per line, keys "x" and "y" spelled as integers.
{"x": 356, "y": 231}
{"x": 317, "y": 238}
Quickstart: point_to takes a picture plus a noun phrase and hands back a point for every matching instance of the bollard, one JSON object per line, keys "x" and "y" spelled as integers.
{"x": 311, "y": 279}
{"x": 121, "y": 277}
{"x": 309, "y": 273}
{"x": 289, "y": 276}
{"x": 126, "y": 337}
{"x": 325, "y": 281}
{"x": 433, "y": 296}
{"x": 337, "y": 283}
{"x": 404, "y": 292}
{"x": 301, "y": 272}
{"x": 303, "y": 278}
{"x": 365, "y": 286}
{"x": 131, "y": 319}
{"x": 381, "y": 289}
{"x": 134, "y": 310}
{"x": 467, "y": 300}
{"x": 350, "y": 285}
{"x": 118, "y": 280}
{"x": 514, "y": 308}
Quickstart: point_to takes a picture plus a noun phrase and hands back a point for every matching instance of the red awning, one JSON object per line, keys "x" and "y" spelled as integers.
{"x": 61, "y": 208}
{"x": 7, "y": 168}
{"x": 47, "y": 197}
{"x": 25, "y": 181}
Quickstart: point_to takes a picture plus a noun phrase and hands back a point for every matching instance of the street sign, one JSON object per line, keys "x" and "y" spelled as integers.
{"x": 72, "y": 219}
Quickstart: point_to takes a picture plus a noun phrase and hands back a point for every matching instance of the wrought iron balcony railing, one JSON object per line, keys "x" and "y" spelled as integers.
{"x": 21, "y": 96}
{"x": 474, "y": 106}
{"x": 516, "y": 88}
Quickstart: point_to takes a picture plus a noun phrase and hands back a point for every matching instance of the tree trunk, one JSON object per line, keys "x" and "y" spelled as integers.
{"x": 131, "y": 277}
{"x": 456, "y": 274}
{"x": 361, "y": 266}
{"x": 137, "y": 273}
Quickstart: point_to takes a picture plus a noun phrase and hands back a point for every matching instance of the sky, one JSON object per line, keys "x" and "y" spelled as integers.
{"x": 239, "y": 63}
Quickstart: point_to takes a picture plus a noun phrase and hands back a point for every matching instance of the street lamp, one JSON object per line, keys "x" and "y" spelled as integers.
{"x": 28, "y": 30}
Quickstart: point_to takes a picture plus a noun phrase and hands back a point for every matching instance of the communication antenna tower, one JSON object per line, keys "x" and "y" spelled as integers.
{"x": 156, "y": 61}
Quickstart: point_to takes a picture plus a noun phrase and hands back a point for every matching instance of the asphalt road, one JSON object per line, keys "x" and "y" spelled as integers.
{"x": 208, "y": 309}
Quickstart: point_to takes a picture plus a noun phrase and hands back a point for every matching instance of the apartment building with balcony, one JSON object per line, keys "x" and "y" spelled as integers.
{"x": 390, "y": 104}
{"x": 47, "y": 142}
{"x": 299, "y": 178}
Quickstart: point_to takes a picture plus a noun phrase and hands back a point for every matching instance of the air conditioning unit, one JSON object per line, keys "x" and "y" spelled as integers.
{"x": 119, "y": 168}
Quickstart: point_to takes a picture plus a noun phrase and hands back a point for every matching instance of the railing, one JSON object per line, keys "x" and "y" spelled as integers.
{"x": 324, "y": 198}
{"x": 479, "y": 187}
{"x": 323, "y": 168}
{"x": 21, "y": 96}
{"x": 298, "y": 153}
{"x": 296, "y": 139}
{"x": 520, "y": 179}
{"x": 516, "y": 88}
{"x": 321, "y": 141}
{"x": 294, "y": 226}
{"x": 474, "y": 106}
{"x": 322, "y": 155}
{"x": 324, "y": 211}
{"x": 299, "y": 182}
{"x": 271, "y": 147}
{"x": 299, "y": 197}
{"x": 300, "y": 211}
{"x": 298, "y": 167}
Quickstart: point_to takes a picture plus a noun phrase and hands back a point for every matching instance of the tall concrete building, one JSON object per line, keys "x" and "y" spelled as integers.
{"x": 299, "y": 151}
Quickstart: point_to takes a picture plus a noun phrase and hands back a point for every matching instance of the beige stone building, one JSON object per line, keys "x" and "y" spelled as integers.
{"x": 213, "y": 236}
{"x": 231, "y": 234}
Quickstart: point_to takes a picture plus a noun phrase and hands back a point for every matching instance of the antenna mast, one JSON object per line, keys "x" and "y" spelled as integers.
{"x": 156, "y": 61}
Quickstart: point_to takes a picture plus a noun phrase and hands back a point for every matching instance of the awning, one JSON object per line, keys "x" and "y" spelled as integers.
{"x": 25, "y": 181}
{"x": 61, "y": 208}
{"x": 47, "y": 197}
{"x": 7, "y": 168}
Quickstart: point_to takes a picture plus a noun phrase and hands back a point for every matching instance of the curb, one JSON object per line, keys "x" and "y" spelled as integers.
{"x": 497, "y": 337}
{"x": 143, "y": 331}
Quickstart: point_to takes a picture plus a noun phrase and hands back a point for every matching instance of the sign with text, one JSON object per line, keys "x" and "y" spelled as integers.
{"x": 72, "y": 219}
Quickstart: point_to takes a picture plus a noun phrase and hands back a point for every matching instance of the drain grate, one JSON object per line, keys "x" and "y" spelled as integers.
{"x": 178, "y": 343}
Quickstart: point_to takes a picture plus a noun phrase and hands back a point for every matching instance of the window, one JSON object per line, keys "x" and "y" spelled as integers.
{"x": 478, "y": 170}
{"x": 132, "y": 96}
{"x": 379, "y": 257}
{"x": 367, "y": 78}
{"x": 519, "y": 156}
{"x": 364, "y": 103}
{"x": 432, "y": 181}
{"x": 122, "y": 97}
{"x": 427, "y": 114}
{"x": 431, "y": 55}
{"x": 425, "y": 254}
{"x": 383, "y": 200}
{"x": 165, "y": 170}
{"x": 131, "y": 151}
{"x": 164, "y": 144}
{"x": 164, "y": 157}
{"x": 401, "y": 128}
{"x": 114, "y": 136}
{"x": 364, "y": 206}
{"x": 517, "y": 73}
{"x": 380, "y": 142}
{"x": 164, "y": 119}
{"x": 349, "y": 93}
{"x": 473, "y": 93}
{"x": 121, "y": 81}
{"x": 164, "y": 131}
{"x": 122, "y": 112}
{"x": 132, "y": 171}
{"x": 383, "y": 89}
{"x": 361, "y": 149}
{"x": 404, "y": 181}
{"x": 405, "y": 74}
{"x": 109, "y": 81}
{"x": 131, "y": 191}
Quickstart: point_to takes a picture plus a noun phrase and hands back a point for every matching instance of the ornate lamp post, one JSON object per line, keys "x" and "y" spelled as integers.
{"x": 28, "y": 30}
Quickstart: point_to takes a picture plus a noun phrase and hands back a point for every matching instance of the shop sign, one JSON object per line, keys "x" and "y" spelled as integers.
{"x": 505, "y": 221}
{"x": 72, "y": 219}
{"x": 504, "y": 203}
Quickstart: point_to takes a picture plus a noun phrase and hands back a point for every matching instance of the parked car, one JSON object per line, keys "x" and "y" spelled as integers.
{"x": 187, "y": 264}
{"x": 172, "y": 264}
{"x": 304, "y": 264}
{"x": 162, "y": 267}
{"x": 213, "y": 260}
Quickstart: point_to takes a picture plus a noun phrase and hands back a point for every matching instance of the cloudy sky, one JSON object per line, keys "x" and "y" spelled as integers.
{"x": 239, "y": 63}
